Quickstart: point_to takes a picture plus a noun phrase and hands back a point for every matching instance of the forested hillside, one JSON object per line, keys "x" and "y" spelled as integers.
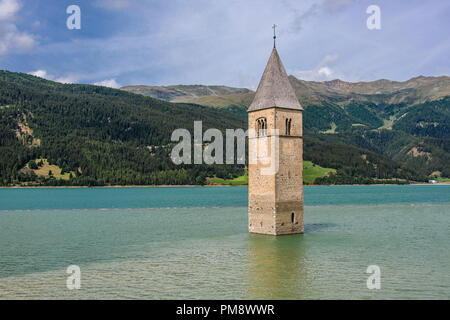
{"x": 408, "y": 122}
{"x": 105, "y": 136}
{"x": 61, "y": 134}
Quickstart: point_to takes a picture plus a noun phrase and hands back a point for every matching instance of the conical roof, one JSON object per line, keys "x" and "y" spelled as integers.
{"x": 274, "y": 89}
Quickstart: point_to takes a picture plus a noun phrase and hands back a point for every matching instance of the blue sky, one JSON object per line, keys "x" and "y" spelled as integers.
{"x": 162, "y": 42}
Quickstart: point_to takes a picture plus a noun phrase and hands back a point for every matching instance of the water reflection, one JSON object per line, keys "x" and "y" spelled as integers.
{"x": 277, "y": 267}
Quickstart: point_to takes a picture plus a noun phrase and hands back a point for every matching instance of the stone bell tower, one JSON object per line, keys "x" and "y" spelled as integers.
{"x": 275, "y": 196}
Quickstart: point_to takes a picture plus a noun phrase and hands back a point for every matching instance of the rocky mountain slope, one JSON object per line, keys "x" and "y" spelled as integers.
{"x": 413, "y": 91}
{"x": 184, "y": 93}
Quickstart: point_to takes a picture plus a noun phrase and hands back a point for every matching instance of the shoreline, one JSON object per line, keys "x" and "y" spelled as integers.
{"x": 214, "y": 185}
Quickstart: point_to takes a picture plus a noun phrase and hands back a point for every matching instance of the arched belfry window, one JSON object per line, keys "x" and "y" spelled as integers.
{"x": 261, "y": 127}
{"x": 288, "y": 126}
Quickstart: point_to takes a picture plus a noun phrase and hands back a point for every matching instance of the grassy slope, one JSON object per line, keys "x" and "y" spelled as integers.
{"x": 44, "y": 170}
{"x": 310, "y": 173}
{"x": 239, "y": 181}
{"x": 238, "y": 99}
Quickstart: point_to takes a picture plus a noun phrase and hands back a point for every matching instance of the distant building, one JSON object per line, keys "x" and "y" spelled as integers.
{"x": 433, "y": 181}
{"x": 276, "y": 200}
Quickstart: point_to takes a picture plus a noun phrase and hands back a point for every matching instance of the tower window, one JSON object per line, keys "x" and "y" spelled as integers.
{"x": 288, "y": 126}
{"x": 292, "y": 218}
{"x": 261, "y": 126}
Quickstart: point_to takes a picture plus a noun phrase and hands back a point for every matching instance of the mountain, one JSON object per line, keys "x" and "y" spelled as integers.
{"x": 183, "y": 93}
{"x": 406, "y": 121}
{"x": 100, "y": 135}
{"x": 416, "y": 90}
{"x": 75, "y": 134}
{"x": 413, "y": 91}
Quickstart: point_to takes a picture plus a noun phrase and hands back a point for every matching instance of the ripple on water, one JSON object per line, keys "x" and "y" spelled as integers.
{"x": 206, "y": 253}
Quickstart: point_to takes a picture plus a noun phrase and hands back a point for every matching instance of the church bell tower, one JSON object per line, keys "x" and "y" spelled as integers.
{"x": 275, "y": 191}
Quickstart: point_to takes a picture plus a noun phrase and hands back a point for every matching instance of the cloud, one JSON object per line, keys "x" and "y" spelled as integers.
{"x": 43, "y": 74}
{"x": 322, "y": 72}
{"x": 8, "y": 9}
{"x": 336, "y": 5}
{"x": 39, "y": 73}
{"x": 246, "y": 82}
{"x": 112, "y": 83}
{"x": 229, "y": 44}
{"x": 112, "y": 4}
{"x": 330, "y": 59}
{"x": 326, "y": 6}
{"x": 11, "y": 39}
{"x": 66, "y": 79}
{"x": 325, "y": 71}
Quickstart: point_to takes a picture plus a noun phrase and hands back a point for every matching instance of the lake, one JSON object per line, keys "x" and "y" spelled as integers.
{"x": 192, "y": 243}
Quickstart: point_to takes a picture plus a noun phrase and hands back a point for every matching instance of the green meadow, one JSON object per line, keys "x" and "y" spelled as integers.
{"x": 311, "y": 171}
{"x": 239, "y": 181}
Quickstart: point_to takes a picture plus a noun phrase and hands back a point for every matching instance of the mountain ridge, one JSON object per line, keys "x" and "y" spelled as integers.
{"x": 179, "y": 93}
{"x": 308, "y": 92}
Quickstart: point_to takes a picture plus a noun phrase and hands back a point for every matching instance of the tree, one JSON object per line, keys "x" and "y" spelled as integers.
{"x": 32, "y": 165}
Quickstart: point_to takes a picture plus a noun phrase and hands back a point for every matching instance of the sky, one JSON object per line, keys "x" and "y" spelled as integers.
{"x": 217, "y": 42}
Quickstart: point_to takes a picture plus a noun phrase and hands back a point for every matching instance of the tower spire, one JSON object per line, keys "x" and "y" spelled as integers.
{"x": 274, "y": 35}
{"x": 274, "y": 89}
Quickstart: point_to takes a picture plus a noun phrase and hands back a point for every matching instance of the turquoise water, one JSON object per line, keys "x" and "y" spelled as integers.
{"x": 169, "y": 197}
{"x": 192, "y": 243}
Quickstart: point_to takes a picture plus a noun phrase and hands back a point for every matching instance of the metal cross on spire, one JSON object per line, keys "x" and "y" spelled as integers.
{"x": 274, "y": 34}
